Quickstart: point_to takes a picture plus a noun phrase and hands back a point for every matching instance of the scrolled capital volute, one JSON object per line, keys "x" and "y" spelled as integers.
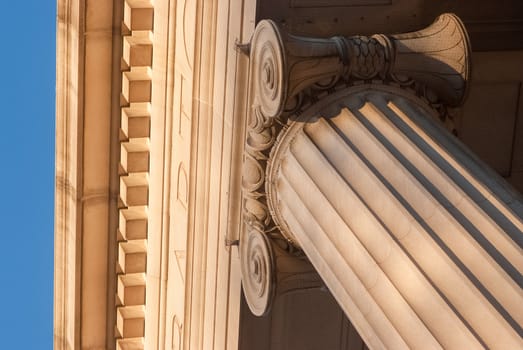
{"x": 257, "y": 270}
{"x": 268, "y": 70}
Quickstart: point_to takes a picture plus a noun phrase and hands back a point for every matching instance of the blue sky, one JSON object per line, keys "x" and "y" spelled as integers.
{"x": 27, "y": 97}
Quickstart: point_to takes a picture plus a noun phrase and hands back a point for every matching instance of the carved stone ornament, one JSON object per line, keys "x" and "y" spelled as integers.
{"x": 288, "y": 73}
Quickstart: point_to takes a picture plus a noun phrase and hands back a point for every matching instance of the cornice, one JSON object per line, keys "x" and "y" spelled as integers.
{"x": 67, "y": 244}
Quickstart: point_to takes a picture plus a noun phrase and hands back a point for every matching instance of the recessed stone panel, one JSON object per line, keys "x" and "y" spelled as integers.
{"x": 489, "y": 123}
{"x": 135, "y": 156}
{"x": 133, "y": 223}
{"x": 131, "y": 289}
{"x": 130, "y": 344}
{"x": 131, "y": 259}
{"x": 138, "y": 49}
{"x": 130, "y": 321}
{"x": 138, "y": 15}
{"x": 136, "y": 120}
{"x": 136, "y": 85}
{"x": 134, "y": 189}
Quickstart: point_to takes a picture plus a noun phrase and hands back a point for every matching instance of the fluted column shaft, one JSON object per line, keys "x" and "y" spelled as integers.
{"x": 419, "y": 242}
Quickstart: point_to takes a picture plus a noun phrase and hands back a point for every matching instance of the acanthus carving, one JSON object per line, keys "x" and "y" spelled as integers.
{"x": 371, "y": 56}
{"x": 288, "y": 72}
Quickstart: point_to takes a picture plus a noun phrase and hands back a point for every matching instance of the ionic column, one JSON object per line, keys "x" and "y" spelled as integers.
{"x": 419, "y": 242}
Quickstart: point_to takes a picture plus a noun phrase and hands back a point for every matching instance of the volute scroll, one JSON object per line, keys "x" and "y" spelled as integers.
{"x": 257, "y": 270}
{"x": 268, "y": 69}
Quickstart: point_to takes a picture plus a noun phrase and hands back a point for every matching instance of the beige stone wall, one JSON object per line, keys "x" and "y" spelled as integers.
{"x": 196, "y": 123}
{"x": 136, "y": 76}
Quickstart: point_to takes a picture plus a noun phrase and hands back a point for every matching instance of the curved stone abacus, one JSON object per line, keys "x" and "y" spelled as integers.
{"x": 437, "y": 57}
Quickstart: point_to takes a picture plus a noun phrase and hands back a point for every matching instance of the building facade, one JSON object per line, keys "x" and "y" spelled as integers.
{"x": 346, "y": 172}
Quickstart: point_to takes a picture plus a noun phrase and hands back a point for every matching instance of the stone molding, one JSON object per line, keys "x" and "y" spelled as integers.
{"x": 67, "y": 213}
{"x": 86, "y": 173}
{"x": 134, "y": 173}
{"x": 289, "y": 73}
